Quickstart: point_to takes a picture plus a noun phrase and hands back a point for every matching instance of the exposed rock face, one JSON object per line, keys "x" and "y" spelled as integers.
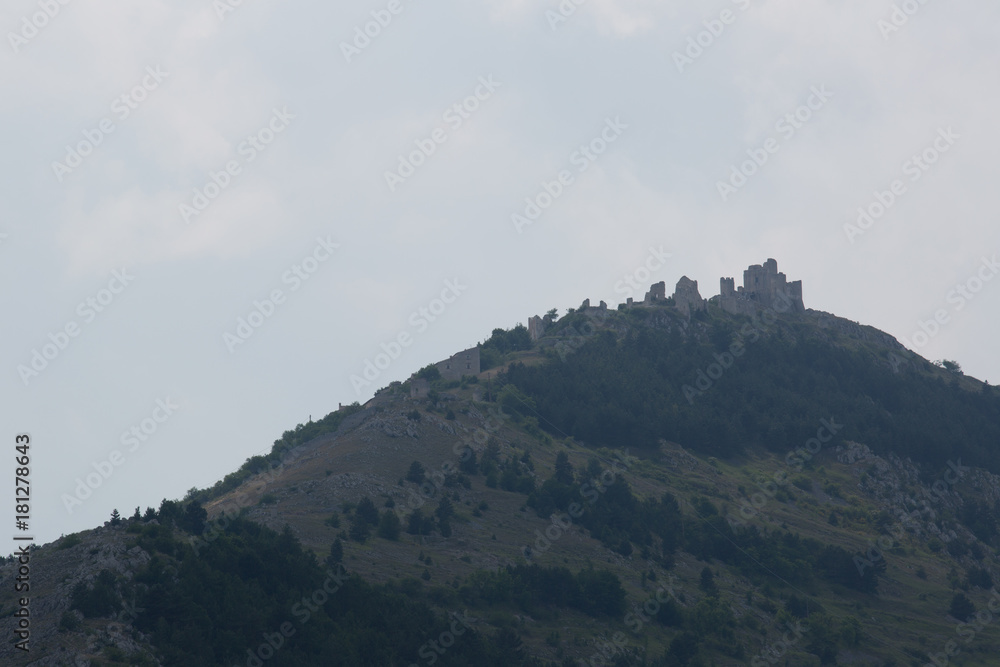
{"x": 686, "y": 296}
{"x": 55, "y": 572}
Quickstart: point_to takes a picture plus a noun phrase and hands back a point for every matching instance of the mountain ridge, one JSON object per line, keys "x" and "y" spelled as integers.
{"x": 579, "y": 450}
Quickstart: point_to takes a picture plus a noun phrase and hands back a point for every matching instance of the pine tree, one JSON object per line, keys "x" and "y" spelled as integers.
{"x": 416, "y": 473}
{"x": 564, "y": 469}
{"x": 389, "y": 526}
{"x": 336, "y": 553}
{"x": 116, "y": 518}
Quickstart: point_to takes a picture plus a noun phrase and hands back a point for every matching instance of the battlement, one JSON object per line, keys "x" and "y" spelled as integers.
{"x": 763, "y": 287}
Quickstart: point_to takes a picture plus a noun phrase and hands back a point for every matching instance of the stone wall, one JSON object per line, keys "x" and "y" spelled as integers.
{"x": 686, "y": 296}
{"x": 465, "y": 362}
{"x": 763, "y": 287}
{"x": 657, "y": 292}
{"x": 536, "y": 327}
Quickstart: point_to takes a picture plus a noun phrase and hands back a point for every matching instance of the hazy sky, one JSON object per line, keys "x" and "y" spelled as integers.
{"x": 171, "y": 167}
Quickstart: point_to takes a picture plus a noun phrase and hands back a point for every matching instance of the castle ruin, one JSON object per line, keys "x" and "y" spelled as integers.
{"x": 465, "y": 362}
{"x": 686, "y": 297}
{"x": 763, "y": 287}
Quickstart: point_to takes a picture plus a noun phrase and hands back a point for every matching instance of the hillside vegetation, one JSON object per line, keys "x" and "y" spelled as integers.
{"x": 635, "y": 488}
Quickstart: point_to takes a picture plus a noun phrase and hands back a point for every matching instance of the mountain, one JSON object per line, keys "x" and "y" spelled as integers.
{"x": 679, "y": 481}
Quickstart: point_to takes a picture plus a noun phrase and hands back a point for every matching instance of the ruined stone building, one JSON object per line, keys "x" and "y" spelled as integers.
{"x": 686, "y": 297}
{"x": 465, "y": 362}
{"x": 657, "y": 292}
{"x": 536, "y": 327}
{"x": 763, "y": 287}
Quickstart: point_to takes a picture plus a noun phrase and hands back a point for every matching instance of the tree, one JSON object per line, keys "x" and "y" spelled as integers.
{"x": 950, "y": 366}
{"x": 360, "y": 529}
{"x": 430, "y": 372}
{"x": 707, "y": 582}
{"x": 194, "y": 518}
{"x": 594, "y": 469}
{"x": 515, "y": 402}
{"x": 416, "y": 473}
{"x": 389, "y": 526}
{"x": 961, "y": 607}
{"x": 367, "y": 511}
{"x": 418, "y": 524}
{"x": 336, "y": 553}
{"x": 116, "y": 518}
{"x": 169, "y": 511}
{"x": 564, "y": 469}
{"x": 468, "y": 463}
{"x": 138, "y": 515}
{"x": 445, "y": 509}
{"x": 491, "y": 456}
{"x": 100, "y": 599}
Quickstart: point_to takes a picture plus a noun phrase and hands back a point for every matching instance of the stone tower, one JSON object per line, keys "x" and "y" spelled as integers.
{"x": 686, "y": 296}
{"x": 763, "y": 287}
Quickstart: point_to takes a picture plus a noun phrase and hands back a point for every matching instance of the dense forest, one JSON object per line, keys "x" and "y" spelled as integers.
{"x": 635, "y": 389}
{"x": 252, "y": 588}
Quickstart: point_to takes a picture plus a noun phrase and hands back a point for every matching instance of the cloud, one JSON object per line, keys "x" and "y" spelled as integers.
{"x": 619, "y": 18}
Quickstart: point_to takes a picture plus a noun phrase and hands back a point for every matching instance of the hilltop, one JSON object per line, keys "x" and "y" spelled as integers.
{"x": 679, "y": 481}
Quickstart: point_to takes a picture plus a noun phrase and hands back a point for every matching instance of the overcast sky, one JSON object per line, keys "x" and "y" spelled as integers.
{"x": 171, "y": 167}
